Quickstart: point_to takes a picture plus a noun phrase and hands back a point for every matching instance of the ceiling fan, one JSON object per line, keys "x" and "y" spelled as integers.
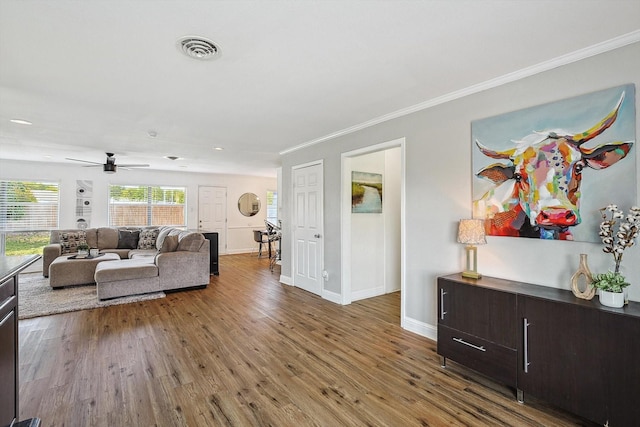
{"x": 110, "y": 166}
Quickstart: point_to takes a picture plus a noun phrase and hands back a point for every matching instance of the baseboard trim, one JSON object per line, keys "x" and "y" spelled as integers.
{"x": 424, "y": 329}
{"x": 332, "y": 296}
{"x": 367, "y": 293}
{"x": 286, "y": 280}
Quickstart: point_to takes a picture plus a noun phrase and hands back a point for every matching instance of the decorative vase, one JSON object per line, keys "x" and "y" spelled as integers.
{"x": 583, "y": 273}
{"x": 611, "y": 299}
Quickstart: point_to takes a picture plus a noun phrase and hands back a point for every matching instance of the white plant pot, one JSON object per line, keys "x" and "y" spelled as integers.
{"x": 611, "y": 299}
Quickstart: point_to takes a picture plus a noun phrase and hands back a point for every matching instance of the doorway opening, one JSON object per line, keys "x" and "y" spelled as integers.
{"x": 373, "y": 243}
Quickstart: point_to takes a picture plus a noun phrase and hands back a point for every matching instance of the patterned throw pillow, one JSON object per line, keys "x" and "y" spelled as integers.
{"x": 147, "y": 239}
{"x": 69, "y": 240}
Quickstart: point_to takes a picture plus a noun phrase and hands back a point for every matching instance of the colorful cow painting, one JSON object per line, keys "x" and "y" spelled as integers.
{"x": 536, "y": 191}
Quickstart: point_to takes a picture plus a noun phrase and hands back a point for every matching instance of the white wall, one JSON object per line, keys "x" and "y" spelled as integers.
{"x": 438, "y": 188}
{"x": 239, "y": 227}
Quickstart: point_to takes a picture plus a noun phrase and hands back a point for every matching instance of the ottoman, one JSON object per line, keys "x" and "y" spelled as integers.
{"x": 67, "y": 271}
{"x": 127, "y": 277}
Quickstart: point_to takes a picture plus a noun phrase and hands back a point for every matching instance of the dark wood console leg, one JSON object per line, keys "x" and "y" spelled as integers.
{"x": 443, "y": 362}
{"x": 520, "y": 395}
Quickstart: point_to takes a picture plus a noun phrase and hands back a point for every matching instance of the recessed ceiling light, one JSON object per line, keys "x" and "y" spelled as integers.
{"x": 172, "y": 157}
{"x": 218, "y": 148}
{"x": 197, "y": 47}
{"x": 21, "y": 122}
{"x": 153, "y": 133}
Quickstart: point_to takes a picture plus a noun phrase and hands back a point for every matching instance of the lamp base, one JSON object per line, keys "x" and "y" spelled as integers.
{"x": 471, "y": 274}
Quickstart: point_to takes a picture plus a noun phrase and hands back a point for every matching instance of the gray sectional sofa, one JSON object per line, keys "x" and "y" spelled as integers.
{"x": 150, "y": 259}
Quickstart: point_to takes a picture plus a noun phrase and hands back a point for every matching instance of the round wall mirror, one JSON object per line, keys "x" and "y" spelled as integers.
{"x": 249, "y": 204}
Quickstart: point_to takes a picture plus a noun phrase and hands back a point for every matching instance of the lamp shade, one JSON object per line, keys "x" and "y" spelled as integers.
{"x": 471, "y": 232}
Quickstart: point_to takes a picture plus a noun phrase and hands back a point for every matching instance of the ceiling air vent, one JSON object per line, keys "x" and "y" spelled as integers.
{"x": 197, "y": 47}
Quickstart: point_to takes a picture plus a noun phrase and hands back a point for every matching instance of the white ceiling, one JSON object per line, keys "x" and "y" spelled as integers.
{"x": 96, "y": 76}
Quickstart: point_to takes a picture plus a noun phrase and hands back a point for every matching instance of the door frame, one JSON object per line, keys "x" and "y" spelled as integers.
{"x": 319, "y": 162}
{"x": 345, "y": 220}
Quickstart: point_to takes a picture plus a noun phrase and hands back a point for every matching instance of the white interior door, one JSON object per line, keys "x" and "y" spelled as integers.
{"x": 308, "y": 228}
{"x": 212, "y": 213}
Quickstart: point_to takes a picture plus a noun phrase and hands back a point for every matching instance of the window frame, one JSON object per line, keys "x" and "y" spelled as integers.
{"x": 148, "y": 202}
{"x": 272, "y": 207}
{"x": 45, "y": 221}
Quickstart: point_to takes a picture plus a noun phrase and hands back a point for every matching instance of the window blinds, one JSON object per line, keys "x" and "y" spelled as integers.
{"x": 28, "y": 206}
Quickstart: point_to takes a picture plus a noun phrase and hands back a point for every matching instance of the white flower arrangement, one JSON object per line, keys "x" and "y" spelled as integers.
{"x": 616, "y": 242}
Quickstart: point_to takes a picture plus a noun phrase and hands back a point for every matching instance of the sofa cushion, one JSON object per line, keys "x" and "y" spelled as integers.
{"x": 122, "y": 253}
{"x": 189, "y": 241}
{"x": 128, "y": 239}
{"x": 92, "y": 237}
{"x": 107, "y": 238}
{"x": 141, "y": 253}
{"x": 147, "y": 238}
{"x": 69, "y": 240}
{"x": 170, "y": 244}
{"x": 125, "y": 269}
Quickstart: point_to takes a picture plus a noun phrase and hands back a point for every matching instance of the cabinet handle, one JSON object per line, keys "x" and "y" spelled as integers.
{"x": 11, "y": 313}
{"x": 442, "y": 312}
{"x": 525, "y": 325}
{"x": 8, "y": 301}
{"x": 461, "y": 341}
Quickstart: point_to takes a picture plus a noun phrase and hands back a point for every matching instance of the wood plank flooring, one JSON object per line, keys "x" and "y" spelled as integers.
{"x": 249, "y": 351}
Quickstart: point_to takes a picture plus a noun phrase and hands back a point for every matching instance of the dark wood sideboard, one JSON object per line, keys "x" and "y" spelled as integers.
{"x": 575, "y": 354}
{"x": 212, "y": 237}
{"x": 10, "y": 267}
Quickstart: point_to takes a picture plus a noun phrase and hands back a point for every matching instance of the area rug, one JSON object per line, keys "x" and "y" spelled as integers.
{"x": 36, "y": 298}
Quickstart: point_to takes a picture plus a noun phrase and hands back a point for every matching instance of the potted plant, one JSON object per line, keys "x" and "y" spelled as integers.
{"x": 611, "y": 284}
{"x": 611, "y": 288}
{"x": 83, "y": 250}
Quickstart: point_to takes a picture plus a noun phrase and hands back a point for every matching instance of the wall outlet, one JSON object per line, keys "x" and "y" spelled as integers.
{"x": 325, "y": 275}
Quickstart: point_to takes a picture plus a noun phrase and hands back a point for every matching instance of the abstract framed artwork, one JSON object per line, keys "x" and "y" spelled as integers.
{"x": 545, "y": 171}
{"x": 366, "y": 192}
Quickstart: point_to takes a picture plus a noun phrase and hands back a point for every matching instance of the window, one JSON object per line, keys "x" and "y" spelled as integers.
{"x": 28, "y": 210}
{"x": 137, "y": 205}
{"x": 272, "y": 206}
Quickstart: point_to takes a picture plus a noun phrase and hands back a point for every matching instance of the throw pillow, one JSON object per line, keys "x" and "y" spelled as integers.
{"x": 128, "y": 239}
{"x": 69, "y": 240}
{"x": 162, "y": 233}
{"x": 190, "y": 241}
{"x": 147, "y": 238}
{"x": 170, "y": 244}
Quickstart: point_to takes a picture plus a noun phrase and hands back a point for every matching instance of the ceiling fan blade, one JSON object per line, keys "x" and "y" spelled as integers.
{"x": 133, "y": 166}
{"x": 84, "y": 161}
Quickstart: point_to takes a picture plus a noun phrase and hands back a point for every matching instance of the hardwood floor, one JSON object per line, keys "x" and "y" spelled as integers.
{"x": 249, "y": 351}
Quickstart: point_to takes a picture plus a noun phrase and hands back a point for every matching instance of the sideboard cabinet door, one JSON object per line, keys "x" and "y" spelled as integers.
{"x": 562, "y": 359}
{"x": 477, "y": 310}
{"x": 619, "y": 348}
{"x": 477, "y": 328}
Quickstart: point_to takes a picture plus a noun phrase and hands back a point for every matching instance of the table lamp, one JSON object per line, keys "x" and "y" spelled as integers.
{"x": 471, "y": 233}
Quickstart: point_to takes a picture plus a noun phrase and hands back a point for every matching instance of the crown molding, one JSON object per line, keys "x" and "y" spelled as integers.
{"x": 596, "y": 49}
